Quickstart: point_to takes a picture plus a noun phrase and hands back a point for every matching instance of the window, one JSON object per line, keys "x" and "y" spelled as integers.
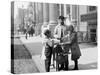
{"x": 92, "y": 8}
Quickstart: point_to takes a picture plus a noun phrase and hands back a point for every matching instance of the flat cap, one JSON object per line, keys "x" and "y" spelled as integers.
{"x": 61, "y": 17}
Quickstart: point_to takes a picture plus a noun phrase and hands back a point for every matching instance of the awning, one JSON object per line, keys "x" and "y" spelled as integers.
{"x": 89, "y": 16}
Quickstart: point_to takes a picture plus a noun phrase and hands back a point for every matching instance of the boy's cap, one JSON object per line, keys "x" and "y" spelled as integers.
{"x": 47, "y": 31}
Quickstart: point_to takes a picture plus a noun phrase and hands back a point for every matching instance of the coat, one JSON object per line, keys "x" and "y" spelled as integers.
{"x": 75, "y": 50}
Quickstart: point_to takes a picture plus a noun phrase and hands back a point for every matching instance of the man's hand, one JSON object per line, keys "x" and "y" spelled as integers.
{"x": 56, "y": 41}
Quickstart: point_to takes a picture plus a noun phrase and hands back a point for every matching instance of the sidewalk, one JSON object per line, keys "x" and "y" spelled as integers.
{"x": 87, "y": 61}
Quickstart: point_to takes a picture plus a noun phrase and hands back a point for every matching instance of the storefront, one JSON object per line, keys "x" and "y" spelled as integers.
{"x": 91, "y": 19}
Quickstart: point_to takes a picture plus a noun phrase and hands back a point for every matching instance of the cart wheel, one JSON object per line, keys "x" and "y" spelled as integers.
{"x": 57, "y": 66}
{"x": 53, "y": 64}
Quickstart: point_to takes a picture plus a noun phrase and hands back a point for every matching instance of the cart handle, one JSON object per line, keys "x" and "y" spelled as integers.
{"x": 64, "y": 43}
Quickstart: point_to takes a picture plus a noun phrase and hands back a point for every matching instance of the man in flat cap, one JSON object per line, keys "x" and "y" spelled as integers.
{"x": 59, "y": 32}
{"x": 60, "y": 27}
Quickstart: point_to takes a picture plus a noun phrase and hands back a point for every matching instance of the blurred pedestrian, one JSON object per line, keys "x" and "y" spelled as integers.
{"x": 26, "y": 35}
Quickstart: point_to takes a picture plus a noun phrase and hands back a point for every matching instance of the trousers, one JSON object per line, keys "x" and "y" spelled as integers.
{"x": 47, "y": 64}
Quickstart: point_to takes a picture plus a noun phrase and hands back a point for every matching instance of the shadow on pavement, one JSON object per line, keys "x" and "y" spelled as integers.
{"x": 21, "y": 59}
{"x": 87, "y": 45}
{"x": 88, "y": 66}
{"x": 19, "y": 51}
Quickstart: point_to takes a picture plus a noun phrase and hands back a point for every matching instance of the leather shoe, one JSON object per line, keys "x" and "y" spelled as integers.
{"x": 75, "y": 69}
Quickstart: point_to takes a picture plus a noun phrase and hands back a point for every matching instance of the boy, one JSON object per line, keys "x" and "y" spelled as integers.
{"x": 47, "y": 49}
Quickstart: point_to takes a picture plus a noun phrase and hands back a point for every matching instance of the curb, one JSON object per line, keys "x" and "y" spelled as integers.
{"x": 25, "y": 47}
{"x": 39, "y": 63}
{"x": 30, "y": 55}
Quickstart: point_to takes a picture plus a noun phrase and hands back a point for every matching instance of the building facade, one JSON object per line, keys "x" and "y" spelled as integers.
{"x": 89, "y": 20}
{"x": 84, "y": 18}
{"x": 48, "y": 13}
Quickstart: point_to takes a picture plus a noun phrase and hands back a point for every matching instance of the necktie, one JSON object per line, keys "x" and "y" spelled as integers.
{"x": 61, "y": 35}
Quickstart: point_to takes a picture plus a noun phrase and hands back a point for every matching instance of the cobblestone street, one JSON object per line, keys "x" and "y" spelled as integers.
{"x": 21, "y": 59}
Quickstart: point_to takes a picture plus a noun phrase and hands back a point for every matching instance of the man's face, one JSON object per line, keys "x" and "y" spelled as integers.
{"x": 61, "y": 22}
